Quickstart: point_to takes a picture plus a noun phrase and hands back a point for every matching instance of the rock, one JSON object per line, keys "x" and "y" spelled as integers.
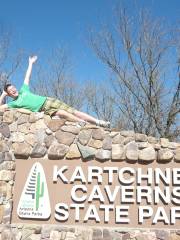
{"x": 13, "y": 127}
{"x": 17, "y": 137}
{"x": 156, "y": 146}
{"x": 165, "y": 155}
{"x": 70, "y": 236}
{"x": 24, "y": 128}
{"x": 47, "y": 119}
{"x": 164, "y": 142}
{"x": 2, "y": 157}
{"x": 142, "y": 236}
{"x": 49, "y": 140}
{"x": 106, "y": 234}
{"x": 3, "y": 146}
{"x": 65, "y": 137}
{"x": 173, "y": 145}
{"x": 128, "y": 140}
{"x": 132, "y": 151}
{"x": 32, "y": 128}
{"x": 23, "y": 111}
{"x": 84, "y": 136}
{"x": 68, "y": 123}
{"x": 34, "y": 237}
{"x": 118, "y": 139}
{"x": 40, "y": 135}
{"x": 161, "y": 234}
{"x": 7, "y": 234}
{"x": 97, "y": 234}
{"x": 6, "y": 175}
{"x": 113, "y": 133}
{"x": 57, "y": 151}
{"x": 142, "y": 145}
{"x": 4, "y": 130}
{"x": 62, "y": 235}
{"x": 9, "y": 156}
{"x": 8, "y": 165}
{"x": 35, "y": 228}
{"x": 139, "y": 137}
{"x": 126, "y": 236}
{"x": 118, "y": 152}
{"x": 24, "y": 118}
{"x": 26, "y": 233}
{"x": 90, "y": 126}
{"x": 147, "y": 154}
{"x": 30, "y": 139}
{"x": 40, "y": 124}
{"x": 55, "y": 124}
{"x": 38, "y": 151}
{"x": 1, "y": 213}
{"x": 71, "y": 129}
{"x": 127, "y": 133}
{"x": 21, "y": 150}
{"x": 177, "y": 155}
{"x": 48, "y": 131}
{"x": 8, "y": 191}
{"x": 8, "y": 117}
{"x": 86, "y": 151}
{"x": 54, "y": 235}
{"x": 34, "y": 116}
{"x": 174, "y": 236}
{"x": 95, "y": 143}
{"x": 152, "y": 140}
{"x": 98, "y": 134}
{"x": 107, "y": 143}
{"x": 73, "y": 152}
{"x": 103, "y": 155}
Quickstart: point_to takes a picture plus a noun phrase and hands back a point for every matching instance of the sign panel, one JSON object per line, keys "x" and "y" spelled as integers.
{"x": 114, "y": 194}
{"x": 34, "y": 200}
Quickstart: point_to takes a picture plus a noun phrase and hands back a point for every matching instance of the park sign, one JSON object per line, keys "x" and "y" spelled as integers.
{"x": 92, "y": 193}
{"x": 34, "y": 195}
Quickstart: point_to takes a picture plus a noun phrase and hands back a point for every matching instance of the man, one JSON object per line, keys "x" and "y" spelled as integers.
{"x": 51, "y": 106}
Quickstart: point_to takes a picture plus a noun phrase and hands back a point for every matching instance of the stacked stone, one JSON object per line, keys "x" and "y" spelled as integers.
{"x": 26, "y": 135}
{"x": 34, "y": 135}
{"x": 7, "y": 173}
{"x": 56, "y": 232}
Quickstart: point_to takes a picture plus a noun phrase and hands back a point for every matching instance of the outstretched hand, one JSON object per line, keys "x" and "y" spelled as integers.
{"x": 33, "y": 59}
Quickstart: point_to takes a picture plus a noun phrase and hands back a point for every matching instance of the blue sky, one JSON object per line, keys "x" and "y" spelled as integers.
{"x": 40, "y": 25}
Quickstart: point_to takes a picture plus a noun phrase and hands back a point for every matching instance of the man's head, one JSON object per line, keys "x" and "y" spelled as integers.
{"x": 11, "y": 90}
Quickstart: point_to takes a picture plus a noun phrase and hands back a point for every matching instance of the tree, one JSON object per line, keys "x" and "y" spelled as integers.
{"x": 100, "y": 100}
{"x": 55, "y": 79}
{"x": 9, "y": 60}
{"x": 139, "y": 51}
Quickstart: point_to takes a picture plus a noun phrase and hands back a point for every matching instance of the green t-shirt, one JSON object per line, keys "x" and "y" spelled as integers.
{"x": 26, "y": 99}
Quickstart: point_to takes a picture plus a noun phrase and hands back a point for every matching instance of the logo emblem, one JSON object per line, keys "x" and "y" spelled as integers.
{"x": 34, "y": 202}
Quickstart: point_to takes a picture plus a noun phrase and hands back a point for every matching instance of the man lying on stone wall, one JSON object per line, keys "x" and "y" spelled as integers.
{"x": 35, "y": 103}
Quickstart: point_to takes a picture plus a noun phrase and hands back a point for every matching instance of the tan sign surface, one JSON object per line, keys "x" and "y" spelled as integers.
{"x": 113, "y": 194}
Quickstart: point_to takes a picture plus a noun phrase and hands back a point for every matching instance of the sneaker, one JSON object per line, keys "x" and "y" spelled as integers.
{"x": 102, "y": 123}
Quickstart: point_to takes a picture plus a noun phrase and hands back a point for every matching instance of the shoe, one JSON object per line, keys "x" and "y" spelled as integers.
{"x": 102, "y": 123}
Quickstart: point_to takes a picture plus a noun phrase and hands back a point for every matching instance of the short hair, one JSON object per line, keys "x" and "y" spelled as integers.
{"x": 6, "y": 86}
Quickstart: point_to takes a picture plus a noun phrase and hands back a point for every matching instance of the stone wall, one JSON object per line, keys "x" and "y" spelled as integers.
{"x": 27, "y": 135}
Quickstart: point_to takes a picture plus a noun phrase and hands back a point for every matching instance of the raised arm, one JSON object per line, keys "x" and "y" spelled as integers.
{"x": 2, "y": 97}
{"x": 32, "y": 60}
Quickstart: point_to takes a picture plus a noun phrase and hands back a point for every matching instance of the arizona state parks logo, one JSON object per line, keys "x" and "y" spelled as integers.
{"x": 34, "y": 201}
